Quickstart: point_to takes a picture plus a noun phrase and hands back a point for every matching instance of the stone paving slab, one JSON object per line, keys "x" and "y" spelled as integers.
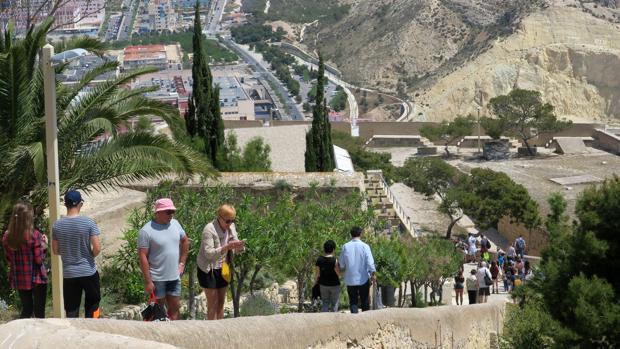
{"x": 573, "y": 180}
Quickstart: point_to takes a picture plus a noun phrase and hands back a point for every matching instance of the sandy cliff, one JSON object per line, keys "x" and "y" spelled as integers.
{"x": 569, "y": 55}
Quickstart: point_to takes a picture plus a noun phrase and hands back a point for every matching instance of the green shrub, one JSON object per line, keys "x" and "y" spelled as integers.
{"x": 258, "y": 305}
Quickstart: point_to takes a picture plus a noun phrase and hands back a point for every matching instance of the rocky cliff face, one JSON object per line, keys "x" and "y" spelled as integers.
{"x": 570, "y": 56}
{"x": 444, "y": 54}
{"x": 383, "y": 42}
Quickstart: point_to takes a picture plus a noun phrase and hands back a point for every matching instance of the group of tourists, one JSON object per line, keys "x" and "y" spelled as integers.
{"x": 510, "y": 267}
{"x": 356, "y": 264}
{"x": 162, "y": 253}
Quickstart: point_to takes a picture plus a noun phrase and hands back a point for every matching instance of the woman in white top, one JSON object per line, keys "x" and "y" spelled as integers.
{"x": 218, "y": 239}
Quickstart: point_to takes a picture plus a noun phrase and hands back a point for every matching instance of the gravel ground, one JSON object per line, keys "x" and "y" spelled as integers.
{"x": 536, "y": 174}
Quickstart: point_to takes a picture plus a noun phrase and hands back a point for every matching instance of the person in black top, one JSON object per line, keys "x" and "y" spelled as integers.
{"x": 327, "y": 277}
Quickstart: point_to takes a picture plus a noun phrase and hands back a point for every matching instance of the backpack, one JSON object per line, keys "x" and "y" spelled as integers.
{"x": 520, "y": 244}
{"x": 488, "y": 244}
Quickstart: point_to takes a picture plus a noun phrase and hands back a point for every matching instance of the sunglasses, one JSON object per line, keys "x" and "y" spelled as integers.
{"x": 169, "y": 212}
{"x": 228, "y": 221}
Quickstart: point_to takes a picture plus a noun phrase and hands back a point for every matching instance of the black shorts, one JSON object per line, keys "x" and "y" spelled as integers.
{"x": 212, "y": 279}
{"x": 484, "y": 291}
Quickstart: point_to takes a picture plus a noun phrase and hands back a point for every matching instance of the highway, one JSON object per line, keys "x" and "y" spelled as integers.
{"x": 295, "y": 113}
{"x": 212, "y": 29}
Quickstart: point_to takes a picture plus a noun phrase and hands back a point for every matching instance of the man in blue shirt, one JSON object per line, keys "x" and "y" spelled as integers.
{"x": 359, "y": 270}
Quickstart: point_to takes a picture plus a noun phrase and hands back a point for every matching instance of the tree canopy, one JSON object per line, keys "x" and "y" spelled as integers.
{"x": 432, "y": 177}
{"x": 93, "y": 153}
{"x": 204, "y": 119}
{"x": 449, "y": 131}
{"x": 573, "y": 300}
{"x": 523, "y": 114}
{"x": 319, "y": 155}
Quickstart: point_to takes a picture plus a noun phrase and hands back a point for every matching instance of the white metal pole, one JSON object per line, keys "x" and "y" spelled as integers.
{"x": 53, "y": 178}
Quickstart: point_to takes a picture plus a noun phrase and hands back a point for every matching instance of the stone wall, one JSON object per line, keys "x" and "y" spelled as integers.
{"x": 474, "y": 326}
{"x": 607, "y": 141}
{"x": 536, "y": 238}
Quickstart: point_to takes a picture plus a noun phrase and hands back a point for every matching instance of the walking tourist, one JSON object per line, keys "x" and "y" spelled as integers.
{"x": 76, "y": 239}
{"x": 528, "y": 274}
{"x": 327, "y": 271}
{"x": 472, "y": 287}
{"x": 24, "y": 249}
{"x": 162, "y": 248}
{"x": 494, "y": 276}
{"x": 511, "y": 253}
{"x": 459, "y": 285}
{"x": 472, "y": 249}
{"x": 485, "y": 246}
{"x": 359, "y": 270}
{"x": 484, "y": 281}
{"x": 520, "y": 246}
{"x": 219, "y": 241}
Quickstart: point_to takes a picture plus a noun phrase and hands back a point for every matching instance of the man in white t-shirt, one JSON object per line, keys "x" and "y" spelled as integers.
{"x": 472, "y": 249}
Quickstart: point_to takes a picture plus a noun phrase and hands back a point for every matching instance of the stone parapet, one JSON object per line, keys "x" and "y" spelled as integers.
{"x": 473, "y": 326}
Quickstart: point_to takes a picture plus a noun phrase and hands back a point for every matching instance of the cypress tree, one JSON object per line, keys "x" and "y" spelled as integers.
{"x": 190, "y": 117}
{"x": 319, "y": 156}
{"x": 209, "y": 123}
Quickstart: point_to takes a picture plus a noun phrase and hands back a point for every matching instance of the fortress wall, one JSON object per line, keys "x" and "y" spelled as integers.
{"x": 472, "y": 326}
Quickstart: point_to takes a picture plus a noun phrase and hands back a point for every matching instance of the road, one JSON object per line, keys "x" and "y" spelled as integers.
{"x": 214, "y": 17}
{"x": 353, "y": 107}
{"x": 124, "y": 31}
{"x": 295, "y": 113}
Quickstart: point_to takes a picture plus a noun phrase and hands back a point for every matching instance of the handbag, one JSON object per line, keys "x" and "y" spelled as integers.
{"x": 226, "y": 272}
{"x": 226, "y": 275}
{"x": 487, "y": 279}
{"x": 154, "y": 311}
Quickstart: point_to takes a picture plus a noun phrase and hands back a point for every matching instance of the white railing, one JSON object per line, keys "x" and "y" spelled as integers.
{"x": 398, "y": 208}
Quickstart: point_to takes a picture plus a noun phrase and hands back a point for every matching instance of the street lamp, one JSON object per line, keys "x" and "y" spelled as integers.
{"x": 53, "y": 177}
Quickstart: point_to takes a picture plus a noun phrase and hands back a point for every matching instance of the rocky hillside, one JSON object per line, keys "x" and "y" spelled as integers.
{"x": 572, "y": 57}
{"x": 443, "y": 53}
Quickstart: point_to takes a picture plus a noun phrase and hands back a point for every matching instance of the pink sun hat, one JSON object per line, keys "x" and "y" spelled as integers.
{"x": 164, "y": 204}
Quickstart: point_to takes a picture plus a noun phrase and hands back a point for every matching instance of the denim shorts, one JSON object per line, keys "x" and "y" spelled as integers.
{"x": 167, "y": 288}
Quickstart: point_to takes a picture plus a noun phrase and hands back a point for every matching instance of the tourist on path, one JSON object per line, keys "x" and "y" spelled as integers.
{"x": 483, "y": 287}
{"x": 494, "y": 276}
{"x": 520, "y": 246}
{"x": 327, "y": 271}
{"x": 459, "y": 285}
{"x": 24, "y": 249}
{"x": 511, "y": 253}
{"x": 485, "y": 246}
{"x": 472, "y": 287}
{"x": 472, "y": 250}
{"x": 219, "y": 240}
{"x": 76, "y": 239}
{"x": 162, "y": 248}
{"x": 359, "y": 270}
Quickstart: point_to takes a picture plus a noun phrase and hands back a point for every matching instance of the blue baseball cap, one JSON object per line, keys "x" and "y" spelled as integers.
{"x": 73, "y": 198}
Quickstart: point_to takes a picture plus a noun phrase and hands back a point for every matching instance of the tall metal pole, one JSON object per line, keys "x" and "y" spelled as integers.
{"x": 53, "y": 178}
{"x": 478, "y": 120}
{"x": 479, "y": 107}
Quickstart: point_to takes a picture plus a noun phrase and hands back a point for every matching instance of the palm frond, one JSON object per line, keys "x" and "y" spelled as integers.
{"x": 68, "y": 95}
{"x": 87, "y": 43}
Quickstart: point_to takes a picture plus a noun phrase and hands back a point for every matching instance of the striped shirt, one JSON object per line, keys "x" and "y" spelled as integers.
{"x": 73, "y": 236}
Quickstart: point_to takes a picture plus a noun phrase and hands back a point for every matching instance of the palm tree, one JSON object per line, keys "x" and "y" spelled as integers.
{"x": 92, "y": 154}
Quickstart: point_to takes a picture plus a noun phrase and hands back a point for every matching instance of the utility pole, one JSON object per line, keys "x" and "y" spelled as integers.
{"x": 478, "y": 119}
{"x": 53, "y": 178}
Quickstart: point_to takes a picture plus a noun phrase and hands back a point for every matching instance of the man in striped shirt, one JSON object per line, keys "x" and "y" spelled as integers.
{"x": 76, "y": 240}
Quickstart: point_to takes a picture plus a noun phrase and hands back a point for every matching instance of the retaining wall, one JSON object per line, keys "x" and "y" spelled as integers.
{"x": 607, "y": 141}
{"x": 472, "y": 326}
